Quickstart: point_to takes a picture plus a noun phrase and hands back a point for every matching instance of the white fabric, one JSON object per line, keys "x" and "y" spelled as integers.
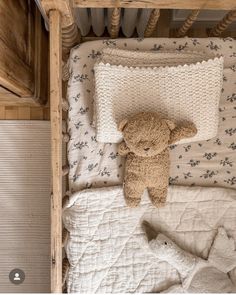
{"x": 179, "y": 87}
{"x": 203, "y": 163}
{"x": 223, "y": 252}
{"x": 107, "y": 248}
{"x": 199, "y": 275}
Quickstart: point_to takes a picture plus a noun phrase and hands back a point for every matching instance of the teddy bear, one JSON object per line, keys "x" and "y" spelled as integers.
{"x": 197, "y": 275}
{"x": 147, "y": 137}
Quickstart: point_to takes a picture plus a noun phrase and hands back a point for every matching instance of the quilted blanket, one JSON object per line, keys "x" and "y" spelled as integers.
{"x": 107, "y": 251}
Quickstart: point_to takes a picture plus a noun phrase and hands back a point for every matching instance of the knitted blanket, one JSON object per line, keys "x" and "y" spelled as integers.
{"x": 179, "y": 85}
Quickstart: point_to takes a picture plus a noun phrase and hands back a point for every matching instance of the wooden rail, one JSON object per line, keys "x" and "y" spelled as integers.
{"x": 56, "y": 148}
{"x": 160, "y": 4}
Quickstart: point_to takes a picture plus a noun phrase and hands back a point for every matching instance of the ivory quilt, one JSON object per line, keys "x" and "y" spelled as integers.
{"x": 106, "y": 248}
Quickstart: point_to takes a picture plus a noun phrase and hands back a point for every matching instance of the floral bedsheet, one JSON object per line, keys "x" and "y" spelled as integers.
{"x": 204, "y": 163}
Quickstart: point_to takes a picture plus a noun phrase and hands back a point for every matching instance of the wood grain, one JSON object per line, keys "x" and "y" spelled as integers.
{"x": 56, "y": 149}
{"x": 115, "y": 22}
{"x": 181, "y": 32}
{"x": 152, "y": 23}
{"x": 23, "y": 44}
{"x": 223, "y": 24}
{"x": 161, "y": 4}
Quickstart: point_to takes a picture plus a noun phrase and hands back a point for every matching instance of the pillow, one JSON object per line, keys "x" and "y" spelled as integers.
{"x": 180, "y": 86}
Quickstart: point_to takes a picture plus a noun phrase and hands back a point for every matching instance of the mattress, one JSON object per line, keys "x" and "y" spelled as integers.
{"x": 205, "y": 163}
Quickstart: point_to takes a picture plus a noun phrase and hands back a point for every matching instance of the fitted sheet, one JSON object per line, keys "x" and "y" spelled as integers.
{"x": 205, "y": 163}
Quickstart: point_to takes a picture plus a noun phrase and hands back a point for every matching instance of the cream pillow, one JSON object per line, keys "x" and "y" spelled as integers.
{"x": 181, "y": 86}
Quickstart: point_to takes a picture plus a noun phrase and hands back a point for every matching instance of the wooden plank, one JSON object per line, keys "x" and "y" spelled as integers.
{"x": 36, "y": 113}
{"x": 2, "y": 113}
{"x": 24, "y": 113}
{"x": 161, "y": 4}
{"x": 56, "y": 149}
{"x": 11, "y": 113}
{"x": 15, "y": 60}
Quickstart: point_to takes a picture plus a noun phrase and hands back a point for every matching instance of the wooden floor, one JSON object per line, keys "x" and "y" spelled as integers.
{"x": 24, "y": 113}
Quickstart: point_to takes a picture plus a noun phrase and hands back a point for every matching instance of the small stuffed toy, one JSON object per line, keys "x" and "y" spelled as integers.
{"x": 197, "y": 275}
{"x": 147, "y": 137}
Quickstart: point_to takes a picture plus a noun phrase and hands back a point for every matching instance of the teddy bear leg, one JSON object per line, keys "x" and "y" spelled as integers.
{"x": 133, "y": 191}
{"x": 157, "y": 196}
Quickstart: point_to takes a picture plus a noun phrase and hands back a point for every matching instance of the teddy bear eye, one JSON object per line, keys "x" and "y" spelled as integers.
{"x": 165, "y": 243}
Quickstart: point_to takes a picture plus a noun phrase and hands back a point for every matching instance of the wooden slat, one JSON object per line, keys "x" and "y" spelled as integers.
{"x": 187, "y": 23}
{"x": 70, "y": 37}
{"x": 56, "y": 149}
{"x": 152, "y": 23}
{"x": 115, "y": 22}
{"x": 223, "y": 24}
{"x": 160, "y": 4}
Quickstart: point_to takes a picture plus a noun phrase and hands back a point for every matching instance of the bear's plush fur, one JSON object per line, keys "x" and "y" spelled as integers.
{"x": 146, "y": 140}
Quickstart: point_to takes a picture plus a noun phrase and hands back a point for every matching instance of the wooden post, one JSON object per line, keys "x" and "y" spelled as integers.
{"x": 223, "y": 24}
{"x": 187, "y": 23}
{"x": 152, "y": 23}
{"x": 115, "y": 22}
{"x": 56, "y": 149}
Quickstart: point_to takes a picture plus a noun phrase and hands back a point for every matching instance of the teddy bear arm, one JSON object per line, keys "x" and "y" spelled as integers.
{"x": 123, "y": 150}
{"x": 184, "y": 130}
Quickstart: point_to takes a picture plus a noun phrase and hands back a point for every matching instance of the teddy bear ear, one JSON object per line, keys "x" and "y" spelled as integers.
{"x": 170, "y": 124}
{"x": 122, "y": 124}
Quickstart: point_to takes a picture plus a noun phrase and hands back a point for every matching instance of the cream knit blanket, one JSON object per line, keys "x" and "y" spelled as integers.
{"x": 180, "y": 85}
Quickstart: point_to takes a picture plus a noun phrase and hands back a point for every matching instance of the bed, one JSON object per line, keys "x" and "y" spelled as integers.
{"x": 93, "y": 166}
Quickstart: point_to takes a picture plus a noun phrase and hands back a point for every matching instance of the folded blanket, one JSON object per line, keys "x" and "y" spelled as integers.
{"x": 107, "y": 251}
{"x": 179, "y": 85}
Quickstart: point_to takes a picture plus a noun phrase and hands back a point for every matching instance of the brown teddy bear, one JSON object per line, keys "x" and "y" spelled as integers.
{"x": 146, "y": 140}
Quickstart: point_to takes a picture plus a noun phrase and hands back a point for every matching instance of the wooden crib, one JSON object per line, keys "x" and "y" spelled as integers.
{"x": 64, "y": 34}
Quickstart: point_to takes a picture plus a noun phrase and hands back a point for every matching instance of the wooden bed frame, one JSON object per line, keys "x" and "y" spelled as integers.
{"x": 63, "y": 35}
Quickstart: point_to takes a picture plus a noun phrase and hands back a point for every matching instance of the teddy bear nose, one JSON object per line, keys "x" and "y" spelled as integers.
{"x": 146, "y": 149}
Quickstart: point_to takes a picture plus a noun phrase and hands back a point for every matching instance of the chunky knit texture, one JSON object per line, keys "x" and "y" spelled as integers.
{"x": 181, "y": 86}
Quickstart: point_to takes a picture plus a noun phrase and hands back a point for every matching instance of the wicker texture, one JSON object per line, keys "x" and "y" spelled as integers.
{"x": 187, "y": 91}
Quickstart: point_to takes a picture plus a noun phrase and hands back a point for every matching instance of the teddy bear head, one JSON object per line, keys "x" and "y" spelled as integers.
{"x": 146, "y": 134}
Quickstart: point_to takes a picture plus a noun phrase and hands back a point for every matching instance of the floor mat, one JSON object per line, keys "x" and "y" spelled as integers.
{"x": 25, "y": 205}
